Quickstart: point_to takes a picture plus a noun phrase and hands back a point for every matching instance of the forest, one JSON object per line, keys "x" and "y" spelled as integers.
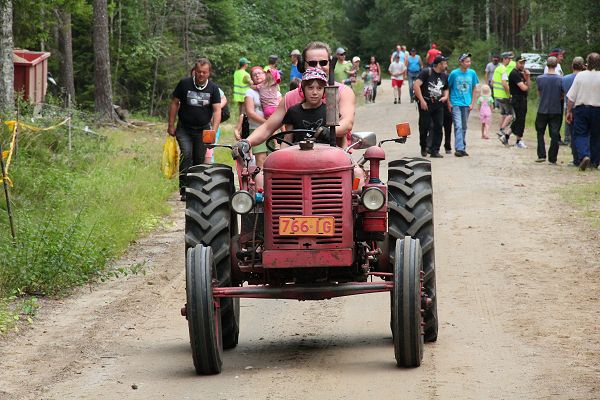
{"x": 132, "y": 52}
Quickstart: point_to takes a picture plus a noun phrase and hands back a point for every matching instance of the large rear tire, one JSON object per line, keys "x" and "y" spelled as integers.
{"x": 406, "y": 303}
{"x": 410, "y": 198}
{"x": 203, "y": 311}
{"x": 210, "y": 221}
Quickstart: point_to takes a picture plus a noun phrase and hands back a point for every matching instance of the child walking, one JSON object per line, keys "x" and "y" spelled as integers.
{"x": 486, "y": 105}
{"x": 368, "y": 80}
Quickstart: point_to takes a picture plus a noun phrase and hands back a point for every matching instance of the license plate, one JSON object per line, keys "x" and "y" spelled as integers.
{"x": 306, "y": 226}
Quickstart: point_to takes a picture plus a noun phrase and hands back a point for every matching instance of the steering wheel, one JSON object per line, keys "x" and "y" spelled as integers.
{"x": 279, "y": 136}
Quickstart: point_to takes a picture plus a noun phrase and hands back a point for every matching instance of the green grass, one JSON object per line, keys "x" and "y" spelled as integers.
{"x": 77, "y": 210}
{"x": 222, "y": 155}
{"x": 584, "y": 197}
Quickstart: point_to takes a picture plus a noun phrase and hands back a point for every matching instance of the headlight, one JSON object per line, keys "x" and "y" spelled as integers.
{"x": 373, "y": 199}
{"x": 242, "y": 202}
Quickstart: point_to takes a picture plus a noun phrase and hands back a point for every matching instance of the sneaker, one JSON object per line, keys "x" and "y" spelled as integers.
{"x": 584, "y": 164}
{"x": 540, "y": 160}
{"x": 395, "y": 101}
{"x": 520, "y": 145}
{"x": 448, "y": 151}
{"x": 552, "y": 163}
{"x": 436, "y": 155}
{"x": 465, "y": 153}
{"x": 459, "y": 153}
{"x": 399, "y": 101}
{"x": 503, "y": 139}
{"x": 500, "y": 133}
{"x": 423, "y": 153}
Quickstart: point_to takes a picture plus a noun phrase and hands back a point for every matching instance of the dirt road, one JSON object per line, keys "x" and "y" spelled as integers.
{"x": 518, "y": 280}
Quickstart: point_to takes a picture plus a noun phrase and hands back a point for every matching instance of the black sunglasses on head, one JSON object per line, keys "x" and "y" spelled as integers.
{"x": 322, "y": 63}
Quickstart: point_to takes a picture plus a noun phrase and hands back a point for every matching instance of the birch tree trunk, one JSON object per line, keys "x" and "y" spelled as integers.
{"x": 7, "y": 92}
{"x": 102, "y": 81}
{"x": 487, "y": 19}
{"x": 65, "y": 47}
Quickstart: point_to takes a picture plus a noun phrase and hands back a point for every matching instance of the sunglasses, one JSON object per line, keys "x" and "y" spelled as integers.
{"x": 322, "y": 63}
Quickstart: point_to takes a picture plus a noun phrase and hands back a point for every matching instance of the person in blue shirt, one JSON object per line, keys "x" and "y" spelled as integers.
{"x": 578, "y": 65}
{"x": 549, "y": 114}
{"x": 295, "y": 57}
{"x": 415, "y": 65}
{"x": 462, "y": 82}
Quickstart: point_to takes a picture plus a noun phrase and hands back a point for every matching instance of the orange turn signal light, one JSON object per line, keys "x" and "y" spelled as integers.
{"x": 403, "y": 129}
{"x": 208, "y": 136}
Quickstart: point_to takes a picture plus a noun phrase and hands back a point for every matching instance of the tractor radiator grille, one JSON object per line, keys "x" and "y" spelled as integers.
{"x": 286, "y": 199}
{"x": 324, "y": 196}
{"x": 327, "y": 199}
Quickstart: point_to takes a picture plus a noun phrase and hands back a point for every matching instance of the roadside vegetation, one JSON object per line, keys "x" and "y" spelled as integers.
{"x": 76, "y": 210}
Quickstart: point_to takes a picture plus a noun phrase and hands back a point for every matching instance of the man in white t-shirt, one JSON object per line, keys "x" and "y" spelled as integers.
{"x": 397, "y": 71}
{"x": 560, "y": 55}
{"x": 583, "y": 111}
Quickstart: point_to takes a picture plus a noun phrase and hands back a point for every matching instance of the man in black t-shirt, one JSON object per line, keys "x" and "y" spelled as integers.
{"x": 518, "y": 83}
{"x": 431, "y": 90}
{"x": 196, "y": 101}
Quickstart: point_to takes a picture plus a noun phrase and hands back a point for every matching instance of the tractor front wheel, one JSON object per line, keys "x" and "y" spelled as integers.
{"x": 410, "y": 197}
{"x": 203, "y": 311}
{"x": 210, "y": 221}
{"x": 406, "y": 303}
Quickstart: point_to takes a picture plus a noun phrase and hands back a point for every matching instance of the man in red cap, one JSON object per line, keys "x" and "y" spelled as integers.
{"x": 432, "y": 53}
{"x": 560, "y": 55}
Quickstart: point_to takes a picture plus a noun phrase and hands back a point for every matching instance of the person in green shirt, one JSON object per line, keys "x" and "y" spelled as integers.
{"x": 241, "y": 83}
{"x": 342, "y": 68}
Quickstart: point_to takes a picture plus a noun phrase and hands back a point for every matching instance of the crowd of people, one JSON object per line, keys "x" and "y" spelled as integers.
{"x": 444, "y": 100}
{"x": 576, "y": 93}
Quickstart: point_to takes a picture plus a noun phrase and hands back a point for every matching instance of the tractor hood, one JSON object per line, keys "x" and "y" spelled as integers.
{"x": 322, "y": 158}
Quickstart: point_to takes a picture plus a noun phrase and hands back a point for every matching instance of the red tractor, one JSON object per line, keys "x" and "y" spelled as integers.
{"x": 314, "y": 233}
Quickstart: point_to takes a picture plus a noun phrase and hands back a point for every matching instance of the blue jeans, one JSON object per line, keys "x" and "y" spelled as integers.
{"x": 412, "y": 77}
{"x": 586, "y": 133}
{"x": 569, "y": 138}
{"x": 460, "y": 116}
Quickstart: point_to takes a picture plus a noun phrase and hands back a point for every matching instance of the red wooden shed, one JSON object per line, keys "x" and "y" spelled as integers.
{"x": 31, "y": 71}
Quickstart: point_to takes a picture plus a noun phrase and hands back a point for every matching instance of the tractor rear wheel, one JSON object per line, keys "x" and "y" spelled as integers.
{"x": 406, "y": 303}
{"x": 210, "y": 221}
{"x": 410, "y": 198}
{"x": 203, "y": 311}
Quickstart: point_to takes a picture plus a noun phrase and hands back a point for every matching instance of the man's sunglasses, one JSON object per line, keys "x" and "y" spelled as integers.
{"x": 322, "y": 63}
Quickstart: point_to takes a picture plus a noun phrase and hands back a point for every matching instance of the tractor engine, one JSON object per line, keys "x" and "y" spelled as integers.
{"x": 308, "y": 207}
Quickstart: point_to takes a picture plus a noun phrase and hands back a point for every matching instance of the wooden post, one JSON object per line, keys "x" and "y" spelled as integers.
{"x": 7, "y": 196}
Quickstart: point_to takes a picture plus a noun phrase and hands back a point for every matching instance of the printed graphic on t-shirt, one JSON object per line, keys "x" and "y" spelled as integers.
{"x": 463, "y": 84}
{"x": 313, "y": 125}
{"x": 198, "y": 99}
{"x": 435, "y": 88}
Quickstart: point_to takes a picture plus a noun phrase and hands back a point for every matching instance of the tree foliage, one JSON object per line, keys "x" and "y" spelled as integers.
{"x": 154, "y": 42}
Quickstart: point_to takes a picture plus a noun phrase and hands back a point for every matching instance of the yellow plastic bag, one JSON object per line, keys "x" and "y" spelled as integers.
{"x": 170, "y": 158}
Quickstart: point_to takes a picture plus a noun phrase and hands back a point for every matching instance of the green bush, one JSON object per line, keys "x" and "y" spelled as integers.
{"x": 76, "y": 210}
